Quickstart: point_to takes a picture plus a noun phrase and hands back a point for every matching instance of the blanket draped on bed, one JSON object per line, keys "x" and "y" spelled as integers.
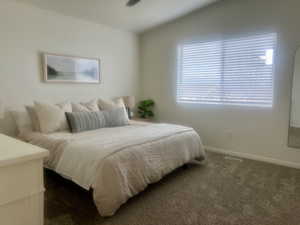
{"x": 120, "y": 162}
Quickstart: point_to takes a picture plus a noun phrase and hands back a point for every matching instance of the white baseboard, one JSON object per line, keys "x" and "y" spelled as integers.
{"x": 253, "y": 157}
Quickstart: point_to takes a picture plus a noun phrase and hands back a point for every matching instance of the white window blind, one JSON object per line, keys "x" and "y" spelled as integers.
{"x": 234, "y": 71}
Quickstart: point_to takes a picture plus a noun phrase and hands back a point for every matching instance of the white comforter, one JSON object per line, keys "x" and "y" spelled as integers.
{"x": 119, "y": 162}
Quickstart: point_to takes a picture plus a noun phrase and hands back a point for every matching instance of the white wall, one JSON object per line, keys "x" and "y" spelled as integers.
{"x": 258, "y": 131}
{"x": 295, "y": 107}
{"x": 26, "y": 31}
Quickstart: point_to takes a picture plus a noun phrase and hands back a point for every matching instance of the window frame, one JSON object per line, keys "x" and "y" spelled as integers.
{"x": 179, "y": 76}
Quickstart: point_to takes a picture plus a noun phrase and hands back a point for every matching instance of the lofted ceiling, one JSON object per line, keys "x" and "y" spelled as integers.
{"x": 143, "y": 16}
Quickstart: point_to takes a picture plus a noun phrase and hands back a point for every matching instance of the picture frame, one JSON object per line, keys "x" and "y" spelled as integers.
{"x": 71, "y": 69}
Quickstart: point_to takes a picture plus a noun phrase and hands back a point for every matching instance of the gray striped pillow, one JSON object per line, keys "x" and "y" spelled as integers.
{"x": 116, "y": 117}
{"x": 84, "y": 121}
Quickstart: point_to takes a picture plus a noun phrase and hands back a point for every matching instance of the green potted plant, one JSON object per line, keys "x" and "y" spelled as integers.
{"x": 145, "y": 109}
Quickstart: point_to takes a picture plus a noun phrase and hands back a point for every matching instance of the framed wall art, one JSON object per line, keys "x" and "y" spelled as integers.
{"x": 63, "y": 68}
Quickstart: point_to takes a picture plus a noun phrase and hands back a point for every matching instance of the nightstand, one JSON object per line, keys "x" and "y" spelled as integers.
{"x": 22, "y": 182}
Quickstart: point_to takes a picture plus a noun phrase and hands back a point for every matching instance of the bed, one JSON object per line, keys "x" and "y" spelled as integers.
{"x": 119, "y": 162}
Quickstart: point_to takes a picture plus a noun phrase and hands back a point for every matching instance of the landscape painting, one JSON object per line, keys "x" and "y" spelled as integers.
{"x": 59, "y": 68}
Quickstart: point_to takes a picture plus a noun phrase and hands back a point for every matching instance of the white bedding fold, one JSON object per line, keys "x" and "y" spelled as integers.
{"x": 81, "y": 165}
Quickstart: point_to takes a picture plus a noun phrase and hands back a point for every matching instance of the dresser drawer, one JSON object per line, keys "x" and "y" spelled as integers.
{"x": 26, "y": 211}
{"x": 19, "y": 181}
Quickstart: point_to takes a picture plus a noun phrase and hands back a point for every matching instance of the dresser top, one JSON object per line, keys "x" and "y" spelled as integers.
{"x": 13, "y": 151}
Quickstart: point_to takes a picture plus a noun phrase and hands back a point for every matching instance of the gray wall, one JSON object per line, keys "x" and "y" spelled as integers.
{"x": 250, "y": 130}
{"x": 26, "y": 31}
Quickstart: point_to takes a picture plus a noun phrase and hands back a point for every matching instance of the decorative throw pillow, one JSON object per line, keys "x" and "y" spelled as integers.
{"x": 52, "y": 117}
{"x": 110, "y": 105}
{"x": 91, "y": 106}
{"x": 23, "y": 121}
{"x": 116, "y": 118}
{"x": 84, "y": 121}
{"x": 34, "y": 118}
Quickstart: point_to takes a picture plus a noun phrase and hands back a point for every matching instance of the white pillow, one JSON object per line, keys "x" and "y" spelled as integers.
{"x": 91, "y": 106}
{"x": 34, "y": 118}
{"x": 52, "y": 118}
{"x": 23, "y": 121}
{"x": 110, "y": 105}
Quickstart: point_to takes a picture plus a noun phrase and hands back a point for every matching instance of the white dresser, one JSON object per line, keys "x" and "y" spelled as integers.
{"x": 21, "y": 183}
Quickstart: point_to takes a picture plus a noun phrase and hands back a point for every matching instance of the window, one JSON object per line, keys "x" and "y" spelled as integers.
{"x": 234, "y": 71}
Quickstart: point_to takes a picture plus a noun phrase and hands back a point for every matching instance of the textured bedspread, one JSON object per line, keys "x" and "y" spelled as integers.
{"x": 120, "y": 162}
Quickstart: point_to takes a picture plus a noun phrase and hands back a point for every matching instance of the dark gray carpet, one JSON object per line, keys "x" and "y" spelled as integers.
{"x": 220, "y": 192}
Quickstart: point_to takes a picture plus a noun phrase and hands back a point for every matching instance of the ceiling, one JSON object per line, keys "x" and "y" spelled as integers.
{"x": 143, "y": 16}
